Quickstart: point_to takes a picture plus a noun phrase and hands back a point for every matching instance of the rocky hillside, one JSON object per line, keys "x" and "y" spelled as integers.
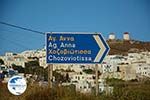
{"x": 124, "y": 47}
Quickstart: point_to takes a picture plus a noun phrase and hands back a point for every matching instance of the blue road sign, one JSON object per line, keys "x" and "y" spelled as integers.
{"x": 74, "y": 47}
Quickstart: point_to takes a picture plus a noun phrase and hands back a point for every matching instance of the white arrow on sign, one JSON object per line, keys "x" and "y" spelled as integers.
{"x": 102, "y": 48}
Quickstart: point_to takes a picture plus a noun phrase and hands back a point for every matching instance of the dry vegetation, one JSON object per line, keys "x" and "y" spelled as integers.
{"x": 122, "y": 91}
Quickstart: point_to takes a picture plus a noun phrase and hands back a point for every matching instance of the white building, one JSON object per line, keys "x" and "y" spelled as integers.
{"x": 127, "y": 71}
{"x": 83, "y": 87}
{"x": 62, "y": 67}
{"x": 18, "y": 60}
{"x": 76, "y": 78}
{"x": 40, "y": 53}
{"x": 34, "y": 53}
{"x": 133, "y": 57}
{"x": 9, "y": 54}
{"x": 111, "y": 62}
{"x": 142, "y": 69}
{"x": 28, "y": 53}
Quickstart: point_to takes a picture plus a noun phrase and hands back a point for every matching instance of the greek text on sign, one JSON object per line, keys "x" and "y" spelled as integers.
{"x": 75, "y": 48}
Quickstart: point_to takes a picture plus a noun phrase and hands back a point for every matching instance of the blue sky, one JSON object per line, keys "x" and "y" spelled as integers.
{"x": 103, "y": 16}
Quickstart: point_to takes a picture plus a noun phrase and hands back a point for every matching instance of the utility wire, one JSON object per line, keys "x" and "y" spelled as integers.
{"x": 31, "y": 30}
{"x": 23, "y": 28}
{"x": 27, "y": 29}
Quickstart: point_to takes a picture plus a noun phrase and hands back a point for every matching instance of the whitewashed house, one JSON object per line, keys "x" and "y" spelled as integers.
{"x": 83, "y": 87}
{"x": 142, "y": 69}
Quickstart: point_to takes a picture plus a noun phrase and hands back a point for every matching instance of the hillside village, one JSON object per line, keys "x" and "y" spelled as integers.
{"x": 126, "y": 65}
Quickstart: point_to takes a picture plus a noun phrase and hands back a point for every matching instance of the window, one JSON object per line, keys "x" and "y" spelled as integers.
{"x": 100, "y": 90}
{"x": 78, "y": 78}
{"x": 118, "y": 69}
{"x": 145, "y": 68}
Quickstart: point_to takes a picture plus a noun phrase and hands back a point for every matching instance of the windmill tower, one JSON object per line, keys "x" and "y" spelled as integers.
{"x": 112, "y": 36}
{"x": 126, "y": 36}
